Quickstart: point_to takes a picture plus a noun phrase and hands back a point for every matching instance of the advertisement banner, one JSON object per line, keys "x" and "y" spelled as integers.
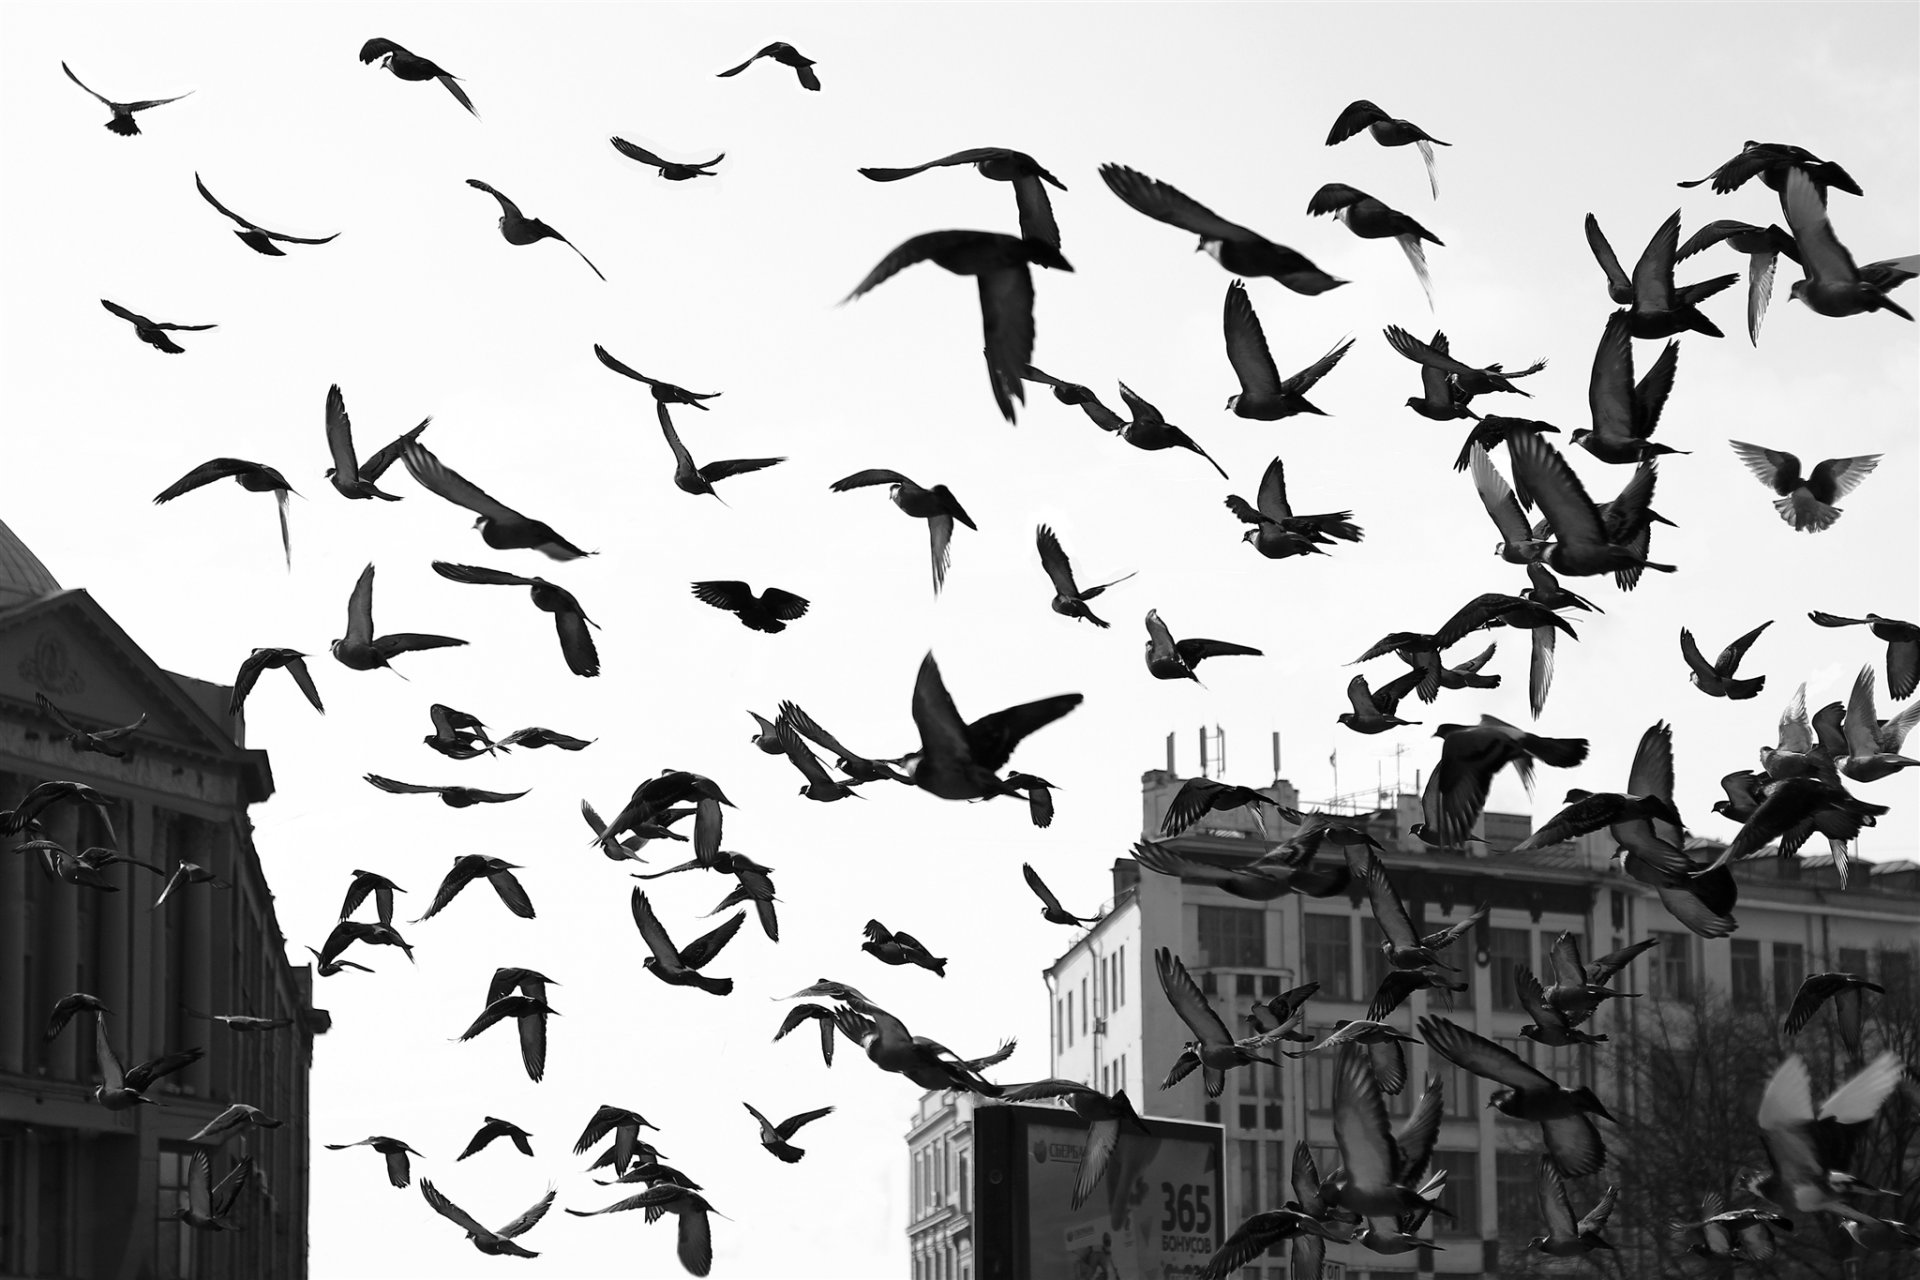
{"x": 1154, "y": 1216}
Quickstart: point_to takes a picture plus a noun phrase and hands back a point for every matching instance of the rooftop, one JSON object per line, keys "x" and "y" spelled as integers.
{"x": 22, "y": 576}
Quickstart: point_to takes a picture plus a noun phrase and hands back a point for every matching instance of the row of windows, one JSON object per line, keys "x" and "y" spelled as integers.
{"x": 939, "y": 1178}
{"x": 1109, "y": 990}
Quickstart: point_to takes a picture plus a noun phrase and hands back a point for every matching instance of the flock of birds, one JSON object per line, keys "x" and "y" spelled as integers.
{"x": 1384, "y": 1189}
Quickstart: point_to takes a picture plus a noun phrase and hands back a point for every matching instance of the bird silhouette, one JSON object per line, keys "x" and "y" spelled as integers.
{"x": 411, "y": 66}
{"x": 518, "y": 229}
{"x": 671, "y": 170}
{"x": 788, "y": 56}
{"x": 1001, "y": 165}
{"x": 1388, "y": 132}
{"x": 255, "y": 236}
{"x": 122, "y": 121}
{"x": 361, "y": 650}
{"x": 1234, "y": 247}
{"x": 500, "y": 526}
{"x": 1000, "y": 264}
{"x": 252, "y": 476}
{"x": 1264, "y": 395}
{"x": 570, "y": 621}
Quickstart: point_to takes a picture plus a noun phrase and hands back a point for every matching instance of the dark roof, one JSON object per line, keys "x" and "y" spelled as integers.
{"x": 22, "y": 576}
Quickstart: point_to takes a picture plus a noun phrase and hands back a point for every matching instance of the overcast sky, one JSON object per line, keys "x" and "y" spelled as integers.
{"x": 729, "y": 284}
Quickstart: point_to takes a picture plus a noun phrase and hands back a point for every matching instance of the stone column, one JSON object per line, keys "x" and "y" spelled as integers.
{"x": 14, "y": 870}
{"x": 197, "y": 987}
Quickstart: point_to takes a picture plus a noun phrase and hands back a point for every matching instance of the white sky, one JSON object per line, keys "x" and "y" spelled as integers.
{"x": 729, "y": 284}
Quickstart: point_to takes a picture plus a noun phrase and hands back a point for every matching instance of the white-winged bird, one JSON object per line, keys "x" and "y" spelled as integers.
{"x": 411, "y": 66}
{"x": 1763, "y": 247}
{"x": 252, "y": 476}
{"x": 1872, "y": 744}
{"x": 570, "y": 621}
{"x": 1805, "y": 502}
{"x": 206, "y": 1206}
{"x": 1372, "y": 219}
{"x": 1000, "y": 264}
{"x": 123, "y": 122}
{"x": 1797, "y": 1138}
{"x": 1388, "y": 132}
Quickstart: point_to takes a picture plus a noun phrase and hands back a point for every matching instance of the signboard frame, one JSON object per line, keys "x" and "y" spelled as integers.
{"x": 1002, "y": 1248}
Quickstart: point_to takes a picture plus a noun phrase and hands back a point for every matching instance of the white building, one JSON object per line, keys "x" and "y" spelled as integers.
{"x": 1112, "y": 1027}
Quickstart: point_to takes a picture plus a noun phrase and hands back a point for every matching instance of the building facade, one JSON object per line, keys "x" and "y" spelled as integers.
{"x": 84, "y": 1190}
{"x": 1111, "y": 1027}
{"x": 940, "y": 1186}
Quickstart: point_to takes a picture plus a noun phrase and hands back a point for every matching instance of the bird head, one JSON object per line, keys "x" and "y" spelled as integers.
{"x": 1448, "y": 730}
{"x": 1232, "y": 400}
{"x": 1579, "y": 434}
{"x": 1576, "y": 793}
{"x": 1538, "y": 1244}
{"x": 480, "y": 523}
{"x": 1799, "y": 291}
{"x": 1499, "y": 1098}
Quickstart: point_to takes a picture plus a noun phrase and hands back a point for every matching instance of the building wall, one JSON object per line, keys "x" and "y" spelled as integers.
{"x": 1533, "y": 898}
{"x": 82, "y": 1189}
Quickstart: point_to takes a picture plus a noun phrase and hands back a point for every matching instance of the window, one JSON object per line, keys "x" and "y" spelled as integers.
{"x": 1233, "y": 937}
{"x": 1278, "y": 1188}
{"x": 1461, "y": 1195}
{"x": 1672, "y": 967}
{"x": 176, "y": 1238}
{"x": 1319, "y": 1077}
{"x": 1069, "y": 1018}
{"x": 1327, "y": 955}
{"x": 1512, "y": 951}
{"x": 1249, "y": 1189}
{"x": 1059, "y": 1024}
{"x": 1083, "y": 1006}
{"x": 1853, "y": 960}
{"x": 1571, "y": 1065}
{"x": 1122, "y": 970}
{"x": 1517, "y": 1188}
{"x": 966, "y": 1188}
{"x": 1743, "y": 960}
{"x": 1896, "y": 972}
{"x": 1789, "y": 969}
{"x": 1249, "y": 1117}
{"x": 1456, "y": 1088}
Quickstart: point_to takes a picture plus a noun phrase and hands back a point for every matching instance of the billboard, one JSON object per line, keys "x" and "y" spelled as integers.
{"x": 1156, "y": 1215}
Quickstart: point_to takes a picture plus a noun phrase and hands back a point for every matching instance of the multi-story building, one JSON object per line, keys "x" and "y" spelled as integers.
{"x": 85, "y": 1191}
{"x": 1111, "y": 1027}
{"x": 940, "y": 1186}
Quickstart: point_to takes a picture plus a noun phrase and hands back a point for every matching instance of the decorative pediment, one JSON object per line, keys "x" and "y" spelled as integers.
{"x": 67, "y": 647}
